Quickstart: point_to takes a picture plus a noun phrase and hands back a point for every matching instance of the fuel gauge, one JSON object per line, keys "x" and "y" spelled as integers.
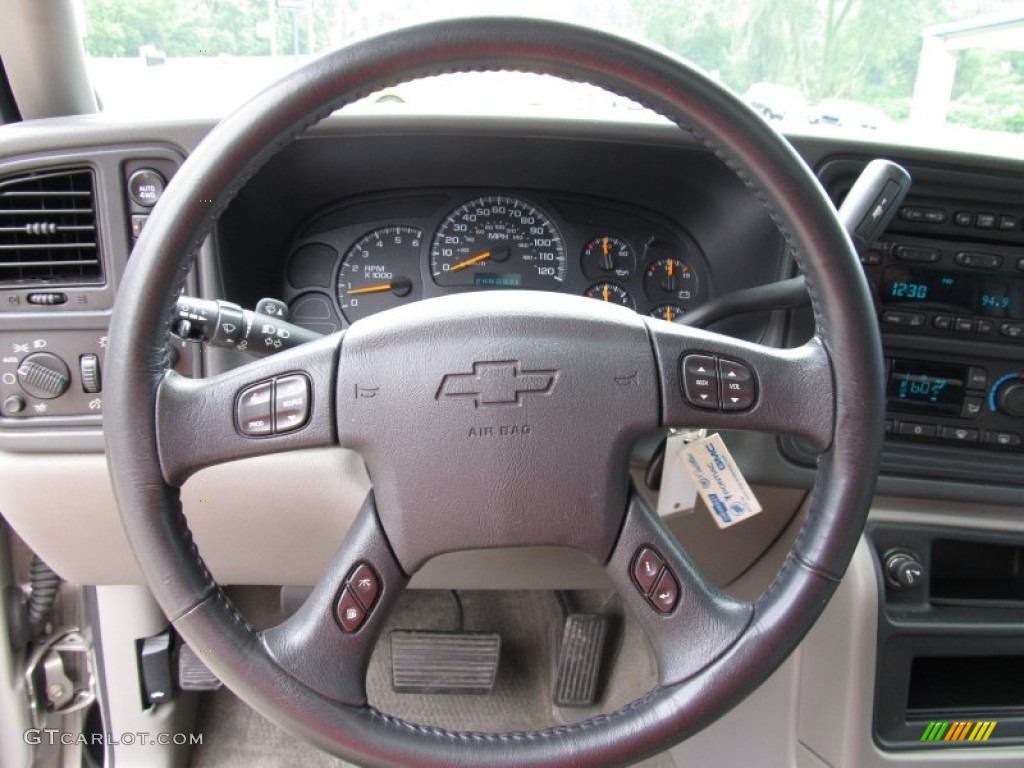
{"x": 612, "y": 293}
{"x": 606, "y": 257}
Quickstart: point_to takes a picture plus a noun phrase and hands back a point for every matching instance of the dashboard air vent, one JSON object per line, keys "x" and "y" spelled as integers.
{"x": 48, "y": 228}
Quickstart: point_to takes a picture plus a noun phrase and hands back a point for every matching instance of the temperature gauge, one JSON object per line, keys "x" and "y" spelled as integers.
{"x": 612, "y": 293}
{"x": 605, "y": 257}
{"x": 669, "y": 312}
{"x": 670, "y": 280}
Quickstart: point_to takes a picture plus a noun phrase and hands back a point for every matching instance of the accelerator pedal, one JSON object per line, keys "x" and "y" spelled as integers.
{"x": 444, "y": 662}
{"x": 578, "y": 668}
{"x": 193, "y": 674}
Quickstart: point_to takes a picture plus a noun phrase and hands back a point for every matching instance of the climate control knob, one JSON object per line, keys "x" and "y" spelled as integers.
{"x": 1009, "y": 397}
{"x": 44, "y": 375}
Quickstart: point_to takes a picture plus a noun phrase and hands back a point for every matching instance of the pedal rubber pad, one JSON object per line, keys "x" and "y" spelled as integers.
{"x": 578, "y": 668}
{"x": 444, "y": 662}
{"x": 193, "y": 674}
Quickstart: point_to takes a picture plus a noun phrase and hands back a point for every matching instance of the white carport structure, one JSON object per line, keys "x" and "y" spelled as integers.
{"x": 937, "y": 68}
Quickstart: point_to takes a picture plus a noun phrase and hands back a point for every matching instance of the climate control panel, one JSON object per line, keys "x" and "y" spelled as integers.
{"x": 977, "y": 403}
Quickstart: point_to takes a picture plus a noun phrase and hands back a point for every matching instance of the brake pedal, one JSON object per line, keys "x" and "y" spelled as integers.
{"x": 444, "y": 662}
{"x": 578, "y": 668}
{"x": 193, "y": 674}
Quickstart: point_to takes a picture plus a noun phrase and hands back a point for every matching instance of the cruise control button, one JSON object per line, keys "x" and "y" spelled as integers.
{"x": 350, "y": 613}
{"x": 666, "y": 593}
{"x": 959, "y": 434}
{"x": 738, "y": 388}
{"x": 700, "y": 381}
{"x": 365, "y": 585}
{"x": 646, "y": 569}
{"x": 291, "y": 402}
{"x": 252, "y": 412}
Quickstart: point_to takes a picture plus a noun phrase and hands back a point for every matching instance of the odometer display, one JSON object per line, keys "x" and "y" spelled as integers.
{"x": 498, "y": 242}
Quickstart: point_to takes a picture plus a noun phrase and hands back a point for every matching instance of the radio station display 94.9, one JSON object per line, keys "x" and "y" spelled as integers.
{"x": 998, "y": 296}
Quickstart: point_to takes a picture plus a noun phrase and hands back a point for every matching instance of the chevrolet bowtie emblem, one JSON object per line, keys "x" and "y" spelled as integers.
{"x": 497, "y": 383}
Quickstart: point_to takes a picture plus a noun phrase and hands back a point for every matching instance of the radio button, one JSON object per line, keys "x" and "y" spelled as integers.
{"x": 738, "y": 389}
{"x": 1005, "y": 439}
{"x": 976, "y": 260}
{"x": 700, "y": 381}
{"x": 905, "y": 319}
{"x": 964, "y": 325}
{"x": 963, "y": 218}
{"x": 916, "y": 253}
{"x": 977, "y": 378}
{"x": 1020, "y": 264}
{"x": 972, "y": 407}
{"x": 1013, "y": 330}
{"x": 943, "y": 322}
{"x": 1007, "y": 223}
{"x": 985, "y": 221}
{"x": 959, "y": 434}
{"x": 914, "y": 429}
{"x": 984, "y": 326}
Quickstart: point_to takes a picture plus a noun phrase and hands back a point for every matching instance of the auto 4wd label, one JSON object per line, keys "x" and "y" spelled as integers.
{"x": 719, "y": 481}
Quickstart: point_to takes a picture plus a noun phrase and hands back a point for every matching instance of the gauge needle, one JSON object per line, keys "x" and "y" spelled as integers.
{"x": 470, "y": 262}
{"x": 668, "y": 314}
{"x": 606, "y": 262}
{"x": 371, "y": 289}
{"x": 606, "y": 293}
{"x": 401, "y": 286}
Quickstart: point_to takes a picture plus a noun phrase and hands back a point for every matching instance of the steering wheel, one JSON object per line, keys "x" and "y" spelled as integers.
{"x": 407, "y": 388}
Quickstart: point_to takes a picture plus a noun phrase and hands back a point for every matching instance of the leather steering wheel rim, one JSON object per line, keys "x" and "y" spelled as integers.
{"x": 150, "y": 505}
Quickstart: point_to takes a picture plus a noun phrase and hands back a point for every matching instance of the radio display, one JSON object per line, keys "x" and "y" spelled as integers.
{"x": 915, "y": 385}
{"x": 985, "y": 295}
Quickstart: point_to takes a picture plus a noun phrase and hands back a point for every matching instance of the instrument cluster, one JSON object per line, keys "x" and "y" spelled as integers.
{"x": 369, "y": 255}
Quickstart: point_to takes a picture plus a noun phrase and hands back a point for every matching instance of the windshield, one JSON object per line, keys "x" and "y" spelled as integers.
{"x": 906, "y": 69}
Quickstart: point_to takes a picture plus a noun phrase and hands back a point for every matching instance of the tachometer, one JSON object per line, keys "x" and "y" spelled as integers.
{"x": 379, "y": 271}
{"x": 498, "y": 242}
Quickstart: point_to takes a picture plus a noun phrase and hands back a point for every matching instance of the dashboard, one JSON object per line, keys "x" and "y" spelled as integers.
{"x": 368, "y": 213}
{"x": 369, "y": 255}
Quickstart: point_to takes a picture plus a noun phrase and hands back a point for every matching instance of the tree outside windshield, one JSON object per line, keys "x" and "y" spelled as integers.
{"x": 869, "y": 65}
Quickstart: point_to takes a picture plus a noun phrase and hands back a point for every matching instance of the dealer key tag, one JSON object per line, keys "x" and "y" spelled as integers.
{"x": 719, "y": 481}
{"x": 678, "y": 492}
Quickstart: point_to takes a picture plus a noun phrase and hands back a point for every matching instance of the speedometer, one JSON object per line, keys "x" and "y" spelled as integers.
{"x": 498, "y": 242}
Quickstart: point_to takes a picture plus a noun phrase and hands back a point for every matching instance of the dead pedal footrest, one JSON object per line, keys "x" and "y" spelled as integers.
{"x": 444, "y": 662}
{"x": 578, "y": 667}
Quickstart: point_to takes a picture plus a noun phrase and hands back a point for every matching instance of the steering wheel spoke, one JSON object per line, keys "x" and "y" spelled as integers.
{"x": 711, "y": 380}
{"x": 688, "y": 621}
{"x": 279, "y": 403}
{"x": 326, "y": 645}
